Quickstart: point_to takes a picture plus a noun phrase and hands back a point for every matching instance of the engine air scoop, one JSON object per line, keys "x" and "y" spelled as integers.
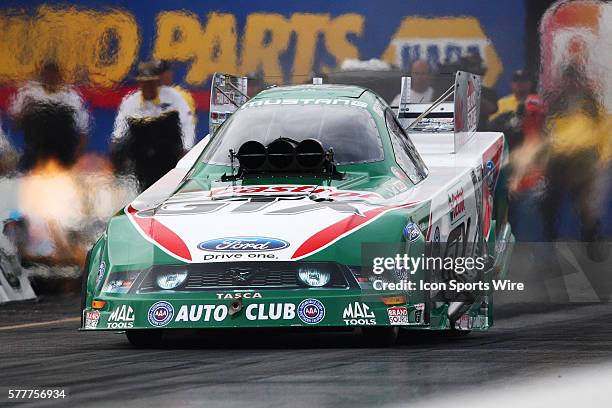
{"x": 283, "y": 157}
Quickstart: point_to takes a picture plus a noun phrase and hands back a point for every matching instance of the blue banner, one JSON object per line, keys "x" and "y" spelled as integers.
{"x": 100, "y": 42}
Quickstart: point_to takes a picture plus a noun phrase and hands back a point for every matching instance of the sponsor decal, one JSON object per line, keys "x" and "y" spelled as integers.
{"x": 479, "y": 322}
{"x": 436, "y": 237}
{"x": 202, "y": 313}
{"x": 411, "y": 232}
{"x": 464, "y": 323}
{"x": 284, "y": 189}
{"x": 218, "y": 313}
{"x": 305, "y": 101}
{"x": 160, "y": 314}
{"x": 473, "y": 100}
{"x": 489, "y": 174}
{"x": 311, "y": 311}
{"x": 400, "y": 186}
{"x": 457, "y": 204}
{"x": 395, "y": 186}
{"x": 419, "y": 313}
{"x": 245, "y": 201}
{"x": 397, "y": 173}
{"x": 121, "y": 318}
{"x": 101, "y": 271}
{"x": 424, "y": 225}
{"x": 379, "y": 108}
{"x": 272, "y": 311}
{"x": 92, "y": 319}
{"x": 118, "y": 286}
{"x": 239, "y": 295}
{"x": 243, "y": 244}
{"x": 494, "y": 155}
{"x": 358, "y": 314}
{"x": 398, "y": 315}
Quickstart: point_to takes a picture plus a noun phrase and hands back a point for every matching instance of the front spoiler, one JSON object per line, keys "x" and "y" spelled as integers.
{"x": 308, "y": 308}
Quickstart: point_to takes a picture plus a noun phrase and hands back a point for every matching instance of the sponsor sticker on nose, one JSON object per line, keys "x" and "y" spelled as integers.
{"x": 243, "y": 244}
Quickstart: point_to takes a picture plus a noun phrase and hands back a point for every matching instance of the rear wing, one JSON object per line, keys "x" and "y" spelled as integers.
{"x": 227, "y": 94}
{"x": 459, "y": 117}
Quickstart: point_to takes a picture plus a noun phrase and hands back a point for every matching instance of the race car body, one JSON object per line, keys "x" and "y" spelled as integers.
{"x": 288, "y": 215}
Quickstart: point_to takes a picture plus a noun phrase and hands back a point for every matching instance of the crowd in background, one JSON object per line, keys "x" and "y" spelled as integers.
{"x": 57, "y": 195}
{"x": 559, "y": 143}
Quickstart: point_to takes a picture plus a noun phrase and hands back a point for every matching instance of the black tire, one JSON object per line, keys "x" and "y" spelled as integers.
{"x": 145, "y": 338}
{"x": 380, "y": 336}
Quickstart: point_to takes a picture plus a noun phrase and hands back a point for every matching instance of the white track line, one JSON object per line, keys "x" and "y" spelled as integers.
{"x": 49, "y": 323}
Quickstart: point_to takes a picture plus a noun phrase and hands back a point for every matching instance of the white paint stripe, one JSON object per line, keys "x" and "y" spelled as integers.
{"x": 39, "y": 324}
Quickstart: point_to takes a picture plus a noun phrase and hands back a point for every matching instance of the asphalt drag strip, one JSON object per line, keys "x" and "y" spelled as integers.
{"x": 262, "y": 369}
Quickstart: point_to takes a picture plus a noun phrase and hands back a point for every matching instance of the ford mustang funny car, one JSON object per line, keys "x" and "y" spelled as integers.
{"x": 313, "y": 206}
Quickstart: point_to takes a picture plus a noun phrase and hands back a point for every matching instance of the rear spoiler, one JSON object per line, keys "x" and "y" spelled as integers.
{"x": 459, "y": 117}
{"x": 227, "y": 94}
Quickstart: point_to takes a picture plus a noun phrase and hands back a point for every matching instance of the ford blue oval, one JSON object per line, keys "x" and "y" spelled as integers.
{"x": 243, "y": 244}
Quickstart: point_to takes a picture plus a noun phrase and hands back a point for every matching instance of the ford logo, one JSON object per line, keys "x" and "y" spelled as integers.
{"x": 243, "y": 244}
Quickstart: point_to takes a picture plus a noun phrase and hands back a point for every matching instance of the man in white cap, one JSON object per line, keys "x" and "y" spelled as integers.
{"x": 153, "y": 100}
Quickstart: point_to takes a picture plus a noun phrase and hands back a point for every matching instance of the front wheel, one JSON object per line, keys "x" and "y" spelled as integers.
{"x": 145, "y": 338}
{"x": 380, "y": 336}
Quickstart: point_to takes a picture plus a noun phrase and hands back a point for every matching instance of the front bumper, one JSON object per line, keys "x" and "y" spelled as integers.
{"x": 253, "y": 309}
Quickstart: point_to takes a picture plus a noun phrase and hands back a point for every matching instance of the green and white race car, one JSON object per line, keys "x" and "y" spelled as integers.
{"x": 312, "y": 206}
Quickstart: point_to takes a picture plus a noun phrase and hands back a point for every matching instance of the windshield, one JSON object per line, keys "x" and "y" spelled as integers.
{"x": 349, "y": 130}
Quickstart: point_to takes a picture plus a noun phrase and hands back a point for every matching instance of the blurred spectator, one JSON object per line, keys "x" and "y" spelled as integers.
{"x": 421, "y": 90}
{"x": 579, "y": 146}
{"x": 511, "y": 125}
{"x": 526, "y": 159}
{"x": 377, "y": 75}
{"x": 522, "y": 85}
{"x": 8, "y": 155}
{"x": 150, "y": 101}
{"x": 166, "y": 78}
{"x": 255, "y": 84}
{"x": 509, "y": 118}
{"x": 153, "y": 128}
{"x": 53, "y": 118}
{"x": 526, "y": 169}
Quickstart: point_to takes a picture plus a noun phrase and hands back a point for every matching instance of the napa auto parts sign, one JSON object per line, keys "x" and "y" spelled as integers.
{"x": 284, "y": 40}
{"x": 98, "y": 43}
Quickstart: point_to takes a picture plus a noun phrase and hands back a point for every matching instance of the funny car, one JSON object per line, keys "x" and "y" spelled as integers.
{"x": 313, "y": 206}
